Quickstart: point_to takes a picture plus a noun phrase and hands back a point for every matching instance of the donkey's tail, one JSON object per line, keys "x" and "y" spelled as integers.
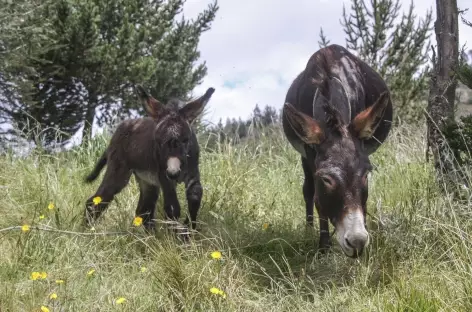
{"x": 98, "y": 167}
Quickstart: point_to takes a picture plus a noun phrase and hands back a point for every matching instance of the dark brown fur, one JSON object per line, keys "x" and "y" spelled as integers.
{"x": 142, "y": 147}
{"x": 337, "y": 112}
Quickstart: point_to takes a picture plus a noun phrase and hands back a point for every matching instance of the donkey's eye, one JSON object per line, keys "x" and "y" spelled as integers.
{"x": 328, "y": 181}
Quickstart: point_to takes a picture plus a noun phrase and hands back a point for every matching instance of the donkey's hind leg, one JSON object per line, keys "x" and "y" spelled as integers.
{"x": 148, "y": 196}
{"x": 115, "y": 179}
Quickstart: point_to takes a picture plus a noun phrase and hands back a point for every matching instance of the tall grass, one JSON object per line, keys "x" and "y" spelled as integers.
{"x": 419, "y": 258}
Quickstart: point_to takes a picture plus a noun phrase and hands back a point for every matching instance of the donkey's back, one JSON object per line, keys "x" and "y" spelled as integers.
{"x": 350, "y": 85}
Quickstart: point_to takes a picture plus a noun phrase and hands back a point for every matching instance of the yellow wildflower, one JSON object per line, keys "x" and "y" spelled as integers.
{"x": 216, "y": 255}
{"x": 35, "y": 275}
{"x": 53, "y": 296}
{"x": 97, "y": 200}
{"x": 90, "y": 273}
{"x": 217, "y": 291}
{"x": 143, "y": 269}
{"x": 44, "y": 309}
{"x": 59, "y": 281}
{"x": 120, "y": 300}
{"x": 38, "y": 275}
{"x": 265, "y": 226}
{"x": 25, "y": 228}
{"x": 41, "y": 217}
{"x": 137, "y": 221}
{"x": 51, "y": 206}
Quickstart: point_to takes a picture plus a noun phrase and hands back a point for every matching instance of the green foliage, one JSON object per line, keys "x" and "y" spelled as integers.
{"x": 459, "y": 136}
{"x": 465, "y": 75}
{"x": 24, "y": 35}
{"x": 397, "y": 50}
{"x": 105, "y": 48}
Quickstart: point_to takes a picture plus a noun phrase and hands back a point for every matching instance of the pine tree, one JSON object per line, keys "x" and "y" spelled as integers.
{"x": 323, "y": 42}
{"x": 397, "y": 50}
{"x": 256, "y": 116}
{"x": 24, "y": 35}
{"x": 269, "y": 116}
{"x": 105, "y": 48}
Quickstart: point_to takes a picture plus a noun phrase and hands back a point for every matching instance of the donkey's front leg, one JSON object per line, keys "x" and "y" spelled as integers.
{"x": 171, "y": 203}
{"x": 194, "y": 193}
{"x": 325, "y": 240}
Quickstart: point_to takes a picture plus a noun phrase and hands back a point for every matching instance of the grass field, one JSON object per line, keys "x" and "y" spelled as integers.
{"x": 419, "y": 258}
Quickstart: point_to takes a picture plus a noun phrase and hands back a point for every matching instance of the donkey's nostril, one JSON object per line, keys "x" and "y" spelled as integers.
{"x": 348, "y": 243}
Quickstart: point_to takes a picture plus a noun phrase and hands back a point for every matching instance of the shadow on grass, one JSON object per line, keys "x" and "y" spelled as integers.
{"x": 285, "y": 255}
{"x": 288, "y": 257}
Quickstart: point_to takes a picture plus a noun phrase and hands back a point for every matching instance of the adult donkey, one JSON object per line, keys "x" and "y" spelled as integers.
{"x": 337, "y": 113}
{"x": 161, "y": 151}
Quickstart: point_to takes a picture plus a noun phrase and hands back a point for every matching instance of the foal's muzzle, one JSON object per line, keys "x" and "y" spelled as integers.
{"x": 173, "y": 175}
{"x": 173, "y": 168}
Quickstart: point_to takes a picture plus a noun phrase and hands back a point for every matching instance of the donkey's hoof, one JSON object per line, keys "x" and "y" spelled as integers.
{"x": 325, "y": 245}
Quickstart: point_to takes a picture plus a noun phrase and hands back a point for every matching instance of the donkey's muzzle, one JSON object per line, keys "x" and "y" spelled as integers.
{"x": 173, "y": 174}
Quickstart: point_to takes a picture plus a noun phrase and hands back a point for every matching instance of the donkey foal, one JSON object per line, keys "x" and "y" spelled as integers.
{"x": 161, "y": 151}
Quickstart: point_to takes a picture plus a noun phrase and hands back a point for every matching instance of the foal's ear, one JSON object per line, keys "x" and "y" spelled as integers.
{"x": 305, "y": 127}
{"x": 365, "y": 123}
{"x": 194, "y": 108}
{"x": 153, "y": 107}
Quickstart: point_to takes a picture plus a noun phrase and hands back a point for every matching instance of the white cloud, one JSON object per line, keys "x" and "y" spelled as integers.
{"x": 262, "y": 45}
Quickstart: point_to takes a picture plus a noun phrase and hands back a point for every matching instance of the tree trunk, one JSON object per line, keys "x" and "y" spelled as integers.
{"x": 443, "y": 85}
{"x": 89, "y": 117}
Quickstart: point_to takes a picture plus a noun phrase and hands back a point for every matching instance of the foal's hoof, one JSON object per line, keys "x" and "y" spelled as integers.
{"x": 181, "y": 231}
{"x": 183, "y": 234}
{"x": 150, "y": 228}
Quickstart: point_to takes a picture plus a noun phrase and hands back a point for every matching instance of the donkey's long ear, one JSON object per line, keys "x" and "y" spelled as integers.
{"x": 365, "y": 123}
{"x": 305, "y": 127}
{"x": 153, "y": 107}
{"x": 194, "y": 108}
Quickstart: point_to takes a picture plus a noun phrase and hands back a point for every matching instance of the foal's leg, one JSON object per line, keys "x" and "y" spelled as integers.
{"x": 148, "y": 196}
{"x": 171, "y": 201}
{"x": 115, "y": 179}
{"x": 172, "y": 208}
{"x": 194, "y": 194}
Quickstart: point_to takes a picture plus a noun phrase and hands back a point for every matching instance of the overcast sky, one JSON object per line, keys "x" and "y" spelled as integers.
{"x": 255, "y": 48}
